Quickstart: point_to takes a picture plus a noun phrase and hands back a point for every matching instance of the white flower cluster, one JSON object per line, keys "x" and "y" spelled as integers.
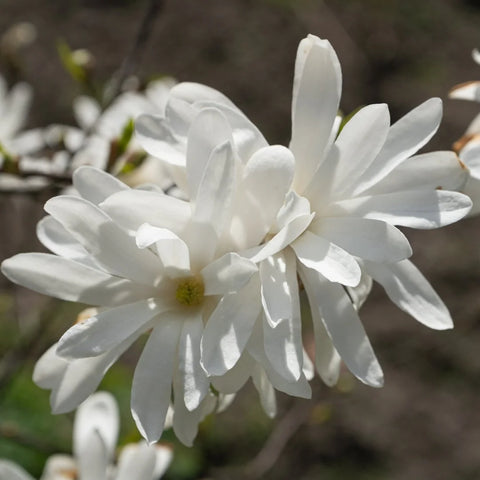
{"x": 216, "y": 281}
{"x": 95, "y": 434}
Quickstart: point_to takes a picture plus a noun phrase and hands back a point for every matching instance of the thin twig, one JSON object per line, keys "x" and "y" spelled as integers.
{"x": 132, "y": 60}
{"x": 276, "y": 442}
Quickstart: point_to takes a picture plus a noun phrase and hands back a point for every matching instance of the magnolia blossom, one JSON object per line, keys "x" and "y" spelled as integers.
{"x": 95, "y": 435}
{"x": 158, "y": 264}
{"x": 468, "y": 147}
{"x": 338, "y": 227}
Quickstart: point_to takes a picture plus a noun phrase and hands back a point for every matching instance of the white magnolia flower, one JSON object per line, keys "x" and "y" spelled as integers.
{"x": 155, "y": 263}
{"x": 468, "y": 147}
{"x": 95, "y": 435}
{"x": 357, "y": 186}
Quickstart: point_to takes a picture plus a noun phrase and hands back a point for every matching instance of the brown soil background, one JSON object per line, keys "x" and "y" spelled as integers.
{"x": 425, "y": 422}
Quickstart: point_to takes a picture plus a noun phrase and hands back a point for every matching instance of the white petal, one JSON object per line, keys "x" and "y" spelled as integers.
{"x": 316, "y": 95}
{"x": 105, "y": 240}
{"x": 190, "y": 372}
{"x": 137, "y": 461}
{"x": 132, "y": 208}
{"x": 229, "y": 327}
{"x": 53, "y": 236}
{"x": 152, "y": 381}
{"x": 15, "y": 109}
{"x": 10, "y": 471}
{"x": 92, "y": 457}
{"x": 283, "y": 337}
{"x": 265, "y": 391}
{"x": 63, "y": 278}
{"x": 233, "y": 380}
{"x": 415, "y": 208}
{"x": 358, "y": 144}
{"x": 428, "y": 171}
{"x": 246, "y": 136}
{"x": 327, "y": 359}
{"x": 215, "y": 188}
{"x": 171, "y": 249}
{"x": 107, "y": 329}
{"x": 227, "y": 274}
{"x": 343, "y": 326}
{"x": 99, "y": 413}
{"x": 282, "y": 239}
{"x": 360, "y": 293}
{"x": 95, "y": 185}
{"x": 466, "y": 91}
{"x": 191, "y": 92}
{"x": 209, "y": 130}
{"x": 86, "y": 111}
{"x": 370, "y": 239}
{"x": 410, "y": 291}
{"x": 405, "y": 137}
{"x": 325, "y": 257}
{"x": 266, "y": 181}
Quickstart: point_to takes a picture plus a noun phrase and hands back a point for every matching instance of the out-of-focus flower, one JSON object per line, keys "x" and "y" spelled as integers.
{"x": 357, "y": 185}
{"x": 468, "y": 146}
{"x": 94, "y": 441}
{"x": 157, "y": 263}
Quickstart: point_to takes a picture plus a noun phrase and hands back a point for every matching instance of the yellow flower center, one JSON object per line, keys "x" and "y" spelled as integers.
{"x": 190, "y": 292}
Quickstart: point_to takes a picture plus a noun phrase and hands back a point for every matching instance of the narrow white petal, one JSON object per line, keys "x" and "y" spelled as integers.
{"x": 99, "y": 413}
{"x": 190, "y": 372}
{"x": 281, "y": 240}
{"x": 191, "y": 92}
{"x": 95, "y": 185}
{"x": 428, "y": 171}
{"x": 405, "y": 137}
{"x": 171, "y": 249}
{"x": 229, "y": 327}
{"x": 152, "y": 381}
{"x": 209, "y": 129}
{"x": 316, "y": 95}
{"x": 108, "y": 328}
{"x": 215, "y": 189}
{"x": 410, "y": 291}
{"x": 358, "y": 144}
{"x": 343, "y": 326}
{"x": 63, "y": 278}
{"x": 366, "y": 238}
{"x": 132, "y": 208}
{"x": 227, "y": 274}
{"x": 265, "y": 391}
{"x": 92, "y": 457}
{"x": 415, "y": 208}
{"x": 137, "y": 461}
{"x": 283, "y": 336}
{"x": 466, "y": 91}
{"x": 233, "y": 380}
{"x": 111, "y": 246}
{"x": 86, "y": 111}
{"x": 325, "y": 257}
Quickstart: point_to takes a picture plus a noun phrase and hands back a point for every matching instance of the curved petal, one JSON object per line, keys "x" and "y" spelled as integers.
{"x": 111, "y": 246}
{"x": 428, "y": 171}
{"x": 209, "y": 130}
{"x": 229, "y": 327}
{"x": 92, "y": 457}
{"x": 334, "y": 263}
{"x": 343, "y": 326}
{"x": 466, "y": 91}
{"x": 410, "y": 291}
{"x": 137, "y": 461}
{"x": 415, "y": 208}
{"x": 132, "y": 208}
{"x": 95, "y": 185}
{"x": 406, "y": 136}
{"x": 11, "y": 471}
{"x": 227, "y": 274}
{"x": 99, "y": 413}
{"x": 194, "y": 380}
{"x": 316, "y": 96}
{"x": 362, "y": 237}
{"x": 63, "y": 278}
{"x": 105, "y": 330}
{"x": 265, "y": 391}
{"x": 152, "y": 381}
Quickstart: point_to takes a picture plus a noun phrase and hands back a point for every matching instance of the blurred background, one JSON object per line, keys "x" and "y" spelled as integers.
{"x": 425, "y": 422}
